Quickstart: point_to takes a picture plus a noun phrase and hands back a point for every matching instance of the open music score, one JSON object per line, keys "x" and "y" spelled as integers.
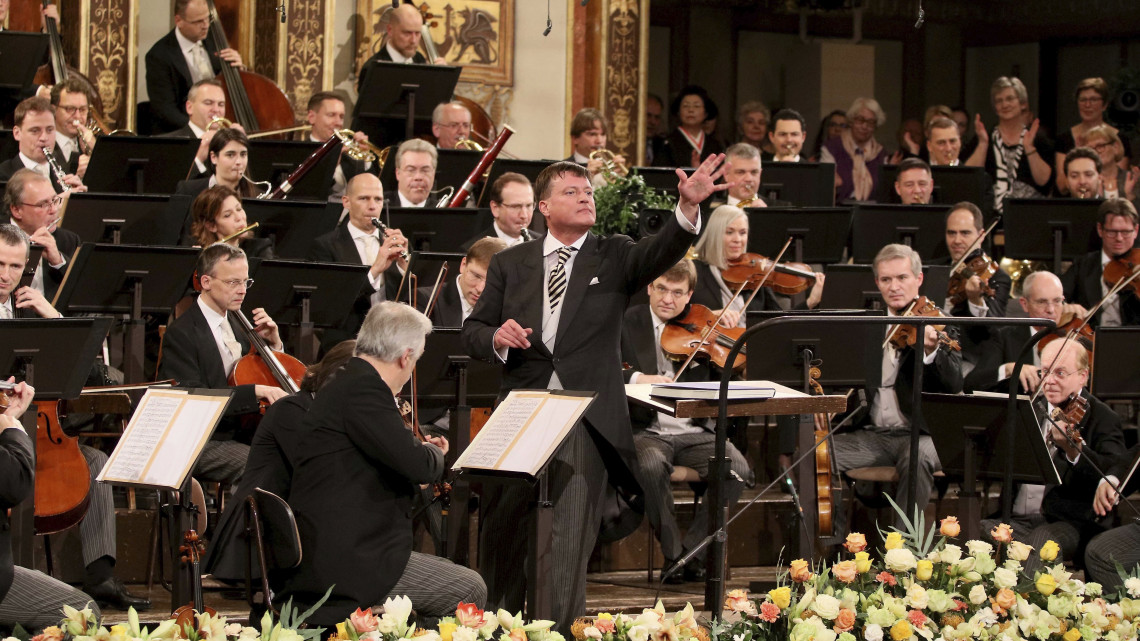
{"x": 164, "y": 438}
{"x": 524, "y": 431}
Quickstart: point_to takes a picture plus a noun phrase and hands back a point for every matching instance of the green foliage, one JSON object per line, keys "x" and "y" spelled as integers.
{"x": 620, "y": 202}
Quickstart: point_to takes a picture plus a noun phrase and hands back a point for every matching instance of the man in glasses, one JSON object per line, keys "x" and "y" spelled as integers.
{"x": 33, "y": 206}
{"x": 73, "y": 139}
{"x": 450, "y": 123}
{"x": 202, "y": 346}
{"x": 1084, "y": 281}
{"x": 512, "y": 206}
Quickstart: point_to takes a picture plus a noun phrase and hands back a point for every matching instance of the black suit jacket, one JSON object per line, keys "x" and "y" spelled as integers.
{"x": 190, "y": 357}
{"x": 383, "y": 56}
{"x": 17, "y": 480}
{"x": 1082, "y": 286}
{"x": 707, "y": 292}
{"x": 448, "y": 310}
{"x": 677, "y": 152}
{"x": 353, "y": 490}
{"x": 606, "y": 272}
{"x": 168, "y": 81}
{"x": 1004, "y": 346}
{"x": 944, "y": 375}
{"x": 999, "y": 282}
{"x": 1104, "y": 446}
{"x": 14, "y": 164}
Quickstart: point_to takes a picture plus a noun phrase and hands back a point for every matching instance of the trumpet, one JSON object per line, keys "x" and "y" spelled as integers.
{"x": 239, "y": 233}
{"x": 748, "y": 202}
{"x": 361, "y": 150}
{"x": 56, "y": 169}
{"x": 467, "y": 143}
{"x": 221, "y": 122}
{"x": 379, "y": 224}
{"x": 610, "y": 165}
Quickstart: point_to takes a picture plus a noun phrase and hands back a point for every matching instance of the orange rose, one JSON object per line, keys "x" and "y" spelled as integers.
{"x": 799, "y": 571}
{"x": 845, "y": 571}
{"x": 856, "y": 542}
{"x": 950, "y": 527}
{"x": 1003, "y": 533}
{"x": 518, "y": 634}
{"x": 845, "y": 622}
{"x": 1006, "y": 598}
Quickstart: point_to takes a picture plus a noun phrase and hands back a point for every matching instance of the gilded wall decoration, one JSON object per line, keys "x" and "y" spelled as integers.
{"x": 306, "y": 51}
{"x": 624, "y": 74}
{"x": 495, "y": 99}
{"x": 478, "y": 35}
{"x": 111, "y": 57}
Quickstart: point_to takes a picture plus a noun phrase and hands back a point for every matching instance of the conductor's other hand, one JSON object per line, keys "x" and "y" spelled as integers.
{"x": 511, "y": 334}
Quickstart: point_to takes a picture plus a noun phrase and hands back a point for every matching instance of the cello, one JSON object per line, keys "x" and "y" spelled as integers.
{"x": 263, "y": 366}
{"x": 252, "y": 100}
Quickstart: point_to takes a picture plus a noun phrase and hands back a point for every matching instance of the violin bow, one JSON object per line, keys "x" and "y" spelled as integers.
{"x": 436, "y": 289}
{"x": 974, "y": 245}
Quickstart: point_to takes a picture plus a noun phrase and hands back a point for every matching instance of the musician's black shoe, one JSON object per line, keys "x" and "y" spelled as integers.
{"x": 113, "y": 593}
{"x": 694, "y": 571}
{"x": 676, "y": 578}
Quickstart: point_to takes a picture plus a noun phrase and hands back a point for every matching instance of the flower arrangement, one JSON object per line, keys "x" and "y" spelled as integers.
{"x": 469, "y": 624}
{"x": 653, "y": 623}
{"x": 927, "y": 586}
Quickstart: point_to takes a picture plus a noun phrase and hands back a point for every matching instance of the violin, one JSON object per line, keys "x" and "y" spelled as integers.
{"x": 784, "y": 278}
{"x": 1121, "y": 268}
{"x": 263, "y": 366}
{"x": 1071, "y": 412}
{"x": 906, "y": 335}
{"x": 1070, "y": 323}
{"x": 441, "y": 489}
{"x": 977, "y": 264}
{"x": 697, "y": 328}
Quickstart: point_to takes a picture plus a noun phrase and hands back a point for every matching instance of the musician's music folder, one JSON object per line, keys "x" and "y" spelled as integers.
{"x": 524, "y": 431}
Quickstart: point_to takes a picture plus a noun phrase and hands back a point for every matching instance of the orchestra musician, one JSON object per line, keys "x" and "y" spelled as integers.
{"x": 943, "y": 142}
{"x": 34, "y": 130}
{"x": 744, "y": 171}
{"x": 202, "y": 346}
{"x": 401, "y": 41}
{"x": 178, "y": 60}
{"x": 33, "y": 206}
{"x": 551, "y": 312}
{"x": 883, "y": 437}
{"x": 205, "y": 104}
{"x": 229, "y": 157}
{"x": 326, "y": 117}
{"x": 1120, "y": 545}
{"x": 450, "y": 123}
{"x": 416, "y": 162}
{"x": 73, "y": 139}
{"x": 512, "y": 206}
{"x": 786, "y": 136}
{"x": 589, "y": 133}
{"x": 964, "y": 225}
{"x": 356, "y": 476}
{"x": 216, "y": 214}
{"x": 914, "y": 183}
{"x": 97, "y": 527}
{"x": 1084, "y": 280}
{"x": 1064, "y": 513}
{"x": 662, "y": 441}
{"x": 457, "y": 298}
{"x": 1082, "y": 167}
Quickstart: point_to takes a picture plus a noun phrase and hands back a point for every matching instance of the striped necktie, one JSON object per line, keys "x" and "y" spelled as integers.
{"x": 556, "y": 286}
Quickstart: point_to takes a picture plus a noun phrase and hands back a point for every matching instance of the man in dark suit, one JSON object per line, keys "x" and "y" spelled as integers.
{"x": 744, "y": 171}
{"x": 202, "y": 346}
{"x": 326, "y": 117}
{"x": 205, "y": 102}
{"x": 787, "y": 136}
{"x": 33, "y": 206}
{"x": 512, "y": 206}
{"x": 914, "y": 182}
{"x": 662, "y": 441}
{"x": 416, "y": 163}
{"x": 457, "y": 298}
{"x": 178, "y": 60}
{"x": 355, "y": 481}
{"x": 402, "y": 38}
{"x": 551, "y": 312}
{"x": 1084, "y": 281}
{"x": 884, "y": 437}
{"x": 34, "y": 130}
{"x": 1066, "y": 514}
{"x": 73, "y": 140}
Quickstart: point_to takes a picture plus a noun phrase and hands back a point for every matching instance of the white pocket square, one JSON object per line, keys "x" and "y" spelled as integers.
{"x": 595, "y": 281}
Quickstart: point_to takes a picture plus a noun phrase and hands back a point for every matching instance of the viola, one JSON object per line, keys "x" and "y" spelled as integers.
{"x": 263, "y": 366}
{"x": 907, "y": 335}
{"x": 192, "y": 550}
{"x": 783, "y": 278}
{"x": 1070, "y": 324}
{"x": 976, "y": 264}
{"x": 1071, "y": 412}
{"x": 1121, "y": 268}
{"x": 697, "y": 329}
{"x": 441, "y": 489}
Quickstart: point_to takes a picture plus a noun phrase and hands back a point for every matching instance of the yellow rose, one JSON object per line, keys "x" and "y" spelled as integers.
{"x": 1049, "y": 551}
{"x": 894, "y": 541}
{"x": 901, "y": 631}
{"x": 950, "y": 527}
{"x": 862, "y": 562}
{"x": 445, "y": 631}
{"x": 1074, "y": 634}
{"x": 924, "y": 570}
{"x": 1046, "y": 584}
{"x": 800, "y": 571}
{"x": 781, "y": 597}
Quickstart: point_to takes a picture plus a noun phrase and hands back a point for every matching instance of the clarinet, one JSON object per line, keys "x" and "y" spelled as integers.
{"x": 60, "y": 174}
{"x": 525, "y": 234}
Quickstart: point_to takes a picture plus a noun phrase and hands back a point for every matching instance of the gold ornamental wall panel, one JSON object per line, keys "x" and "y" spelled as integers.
{"x": 624, "y": 74}
{"x": 305, "y": 51}
{"x": 109, "y": 56}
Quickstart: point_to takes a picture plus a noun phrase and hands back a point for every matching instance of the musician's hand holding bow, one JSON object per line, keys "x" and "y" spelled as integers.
{"x": 816, "y": 293}
{"x": 1073, "y": 309}
{"x": 974, "y": 291}
{"x": 439, "y": 442}
{"x": 696, "y": 188}
{"x": 930, "y": 339}
{"x": 1105, "y": 498}
{"x": 654, "y": 379}
{"x": 267, "y": 329}
{"x": 730, "y": 318}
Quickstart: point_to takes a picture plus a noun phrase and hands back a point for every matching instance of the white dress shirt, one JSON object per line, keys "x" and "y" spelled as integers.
{"x": 198, "y": 133}
{"x": 404, "y": 202}
{"x": 397, "y": 56}
{"x": 216, "y": 322}
{"x": 505, "y": 237}
{"x": 42, "y": 168}
{"x": 190, "y": 53}
{"x": 67, "y": 145}
{"x": 464, "y": 305}
{"x": 368, "y": 256}
{"x": 663, "y": 423}
{"x": 885, "y": 410}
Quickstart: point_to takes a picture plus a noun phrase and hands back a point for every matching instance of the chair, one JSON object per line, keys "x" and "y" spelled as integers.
{"x": 270, "y": 525}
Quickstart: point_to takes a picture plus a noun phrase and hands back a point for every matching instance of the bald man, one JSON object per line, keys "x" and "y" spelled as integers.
{"x": 401, "y": 41}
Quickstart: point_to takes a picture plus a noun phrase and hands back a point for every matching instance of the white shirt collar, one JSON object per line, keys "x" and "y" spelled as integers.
{"x": 184, "y": 43}
{"x": 580, "y": 159}
{"x": 550, "y": 244}
{"x": 33, "y": 165}
{"x": 1104, "y": 258}
{"x": 356, "y": 233}
{"x": 396, "y": 55}
{"x": 66, "y": 143}
{"x": 657, "y": 322}
{"x": 213, "y": 319}
{"x": 198, "y": 131}
{"x": 467, "y": 309}
{"x": 504, "y": 235}
{"x": 404, "y": 202}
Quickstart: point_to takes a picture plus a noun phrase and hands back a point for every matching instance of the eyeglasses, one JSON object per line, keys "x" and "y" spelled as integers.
{"x": 674, "y": 293}
{"x": 867, "y": 122}
{"x": 1118, "y": 233}
{"x": 237, "y": 282}
{"x": 456, "y": 125}
{"x": 74, "y": 110}
{"x": 55, "y": 201}
{"x": 1048, "y": 302}
{"x": 1101, "y": 146}
{"x": 517, "y": 208}
{"x": 1059, "y": 374}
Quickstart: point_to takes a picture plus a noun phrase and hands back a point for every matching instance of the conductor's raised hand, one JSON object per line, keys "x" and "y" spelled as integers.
{"x": 511, "y": 334}
{"x": 696, "y": 188}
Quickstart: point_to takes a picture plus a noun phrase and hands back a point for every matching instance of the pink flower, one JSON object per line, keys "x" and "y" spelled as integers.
{"x": 605, "y": 626}
{"x": 886, "y": 577}
{"x": 364, "y": 621}
{"x": 960, "y": 605}
{"x": 769, "y": 612}
{"x": 916, "y": 618}
{"x": 469, "y": 616}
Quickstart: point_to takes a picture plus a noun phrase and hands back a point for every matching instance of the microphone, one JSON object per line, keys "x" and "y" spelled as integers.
{"x": 281, "y": 9}
{"x": 549, "y": 27}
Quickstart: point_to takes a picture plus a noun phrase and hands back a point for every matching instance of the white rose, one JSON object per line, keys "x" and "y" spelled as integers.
{"x": 1005, "y": 578}
{"x": 965, "y": 565}
{"x": 427, "y": 635}
{"x": 979, "y": 547}
{"x": 592, "y": 633}
{"x": 637, "y": 633}
{"x": 916, "y": 596}
{"x": 873, "y": 632}
{"x": 464, "y": 633}
{"x": 827, "y": 607}
{"x": 1018, "y": 550}
{"x": 950, "y": 554}
{"x": 1133, "y": 587}
{"x": 978, "y": 595}
{"x": 899, "y": 560}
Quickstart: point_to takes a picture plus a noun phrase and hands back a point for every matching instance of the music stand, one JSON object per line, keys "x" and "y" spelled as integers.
{"x": 853, "y": 286}
{"x": 292, "y": 224}
{"x": 22, "y": 53}
{"x": 8, "y": 146}
{"x": 274, "y": 160}
{"x": 660, "y": 178}
{"x": 804, "y": 184}
{"x": 435, "y": 379}
{"x": 126, "y": 280}
{"x": 138, "y": 165}
{"x": 132, "y": 219}
{"x": 951, "y": 185}
{"x": 528, "y": 168}
{"x": 967, "y": 432}
{"x": 305, "y": 295}
{"x": 1056, "y": 229}
{"x": 452, "y": 168}
{"x": 783, "y": 346}
{"x": 407, "y": 93}
{"x": 819, "y": 235}
{"x": 437, "y": 230}
{"x": 873, "y": 226}
{"x": 1116, "y": 363}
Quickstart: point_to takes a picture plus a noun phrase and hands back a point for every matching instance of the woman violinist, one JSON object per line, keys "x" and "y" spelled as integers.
{"x": 217, "y": 216}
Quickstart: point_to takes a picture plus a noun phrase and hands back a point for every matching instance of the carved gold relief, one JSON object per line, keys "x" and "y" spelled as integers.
{"x": 305, "y": 51}
{"x": 109, "y": 61}
{"x": 494, "y": 99}
{"x": 622, "y": 74}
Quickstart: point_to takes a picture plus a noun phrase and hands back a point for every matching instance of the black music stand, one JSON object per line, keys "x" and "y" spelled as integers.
{"x": 951, "y": 185}
{"x": 661, "y": 178}
{"x": 873, "y": 226}
{"x": 853, "y": 286}
{"x": 132, "y": 219}
{"x": 128, "y": 280}
{"x": 453, "y": 167}
{"x": 8, "y": 145}
{"x": 1116, "y": 363}
{"x": 784, "y": 346}
{"x": 22, "y": 54}
{"x": 528, "y": 168}
{"x": 292, "y": 224}
{"x": 437, "y": 230}
{"x": 305, "y": 295}
{"x": 138, "y": 165}
{"x": 274, "y": 160}
{"x": 804, "y": 184}
{"x": 54, "y": 356}
{"x": 967, "y": 432}
{"x": 392, "y": 93}
{"x": 1056, "y": 229}
{"x": 819, "y": 235}
{"x": 426, "y": 265}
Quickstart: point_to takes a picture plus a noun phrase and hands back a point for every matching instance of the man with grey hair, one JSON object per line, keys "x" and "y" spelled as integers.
{"x": 358, "y": 450}
{"x": 16, "y": 301}
{"x": 34, "y": 207}
{"x": 450, "y": 123}
{"x": 884, "y": 437}
{"x": 416, "y": 162}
